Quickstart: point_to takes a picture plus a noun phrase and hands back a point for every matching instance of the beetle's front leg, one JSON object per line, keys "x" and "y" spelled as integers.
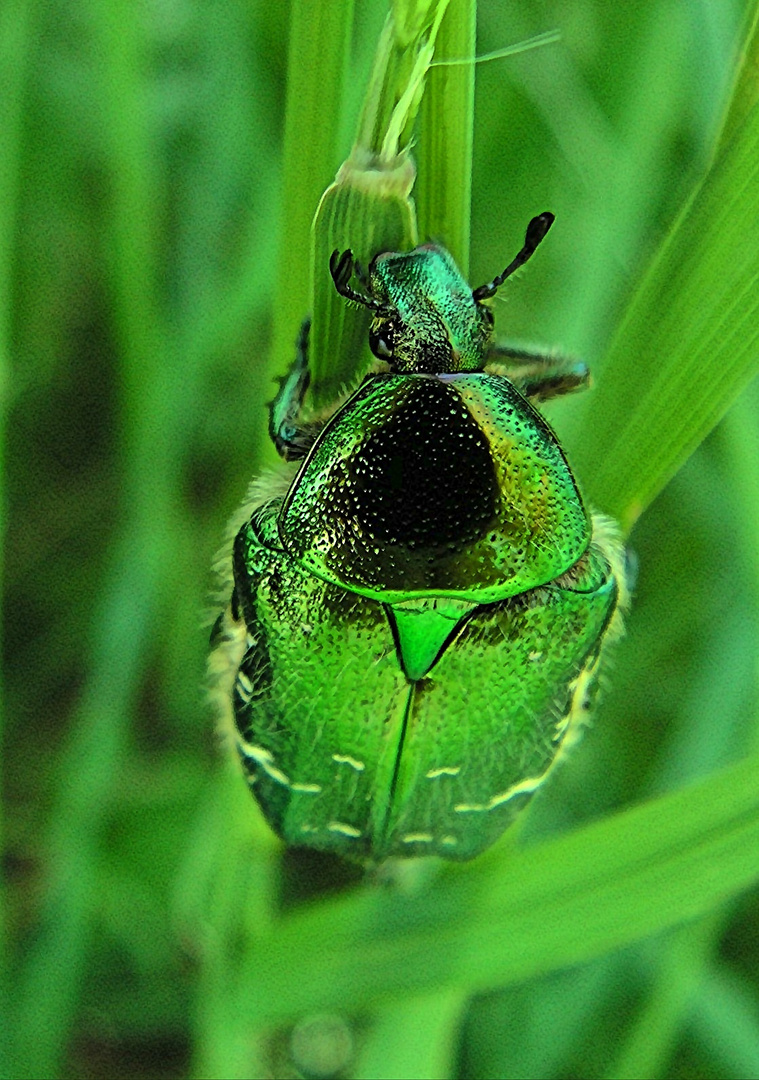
{"x": 537, "y": 375}
{"x": 289, "y": 430}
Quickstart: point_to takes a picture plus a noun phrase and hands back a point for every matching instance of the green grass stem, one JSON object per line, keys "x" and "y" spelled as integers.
{"x": 16, "y": 42}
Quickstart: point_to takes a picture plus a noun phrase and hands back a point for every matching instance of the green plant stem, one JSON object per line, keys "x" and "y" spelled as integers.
{"x": 742, "y": 446}
{"x": 123, "y": 624}
{"x": 369, "y": 207}
{"x": 320, "y": 32}
{"x": 237, "y": 873}
{"x": 681, "y": 964}
{"x": 16, "y": 42}
{"x": 444, "y": 149}
{"x": 745, "y": 91}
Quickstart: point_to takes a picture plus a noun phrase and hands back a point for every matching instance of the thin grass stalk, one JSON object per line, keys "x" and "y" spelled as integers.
{"x": 50, "y": 979}
{"x": 228, "y": 893}
{"x": 443, "y": 151}
{"x": 16, "y": 41}
{"x": 745, "y": 89}
{"x": 742, "y": 445}
{"x": 682, "y": 961}
{"x": 369, "y": 208}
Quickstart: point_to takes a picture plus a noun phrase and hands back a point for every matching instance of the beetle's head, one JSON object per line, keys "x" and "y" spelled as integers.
{"x": 426, "y": 318}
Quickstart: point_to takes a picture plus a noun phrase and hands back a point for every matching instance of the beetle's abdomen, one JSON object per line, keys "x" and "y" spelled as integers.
{"x": 452, "y": 485}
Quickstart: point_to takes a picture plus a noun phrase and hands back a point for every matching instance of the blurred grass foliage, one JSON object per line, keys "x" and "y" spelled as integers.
{"x": 151, "y": 926}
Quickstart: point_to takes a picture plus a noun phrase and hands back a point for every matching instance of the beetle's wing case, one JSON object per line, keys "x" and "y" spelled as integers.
{"x": 517, "y": 679}
{"x": 414, "y": 725}
{"x": 319, "y": 700}
{"x": 228, "y": 635}
{"x": 346, "y": 754}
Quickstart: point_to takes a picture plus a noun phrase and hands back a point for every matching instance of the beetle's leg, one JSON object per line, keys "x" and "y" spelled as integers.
{"x": 289, "y": 431}
{"x": 537, "y": 375}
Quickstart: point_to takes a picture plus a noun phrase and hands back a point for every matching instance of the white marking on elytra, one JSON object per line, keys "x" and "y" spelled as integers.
{"x": 343, "y": 829}
{"x": 418, "y": 838}
{"x": 529, "y": 785}
{"x": 308, "y": 789}
{"x": 444, "y": 770}
{"x": 346, "y": 759}
{"x": 266, "y": 760}
{"x": 277, "y": 774}
{"x": 245, "y": 682}
{"x": 449, "y": 840}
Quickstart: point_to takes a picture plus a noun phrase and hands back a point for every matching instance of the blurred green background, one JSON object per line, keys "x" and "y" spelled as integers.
{"x": 139, "y": 224}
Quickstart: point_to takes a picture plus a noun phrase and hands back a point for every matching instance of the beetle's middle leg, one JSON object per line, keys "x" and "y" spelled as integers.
{"x": 537, "y": 375}
{"x": 290, "y": 431}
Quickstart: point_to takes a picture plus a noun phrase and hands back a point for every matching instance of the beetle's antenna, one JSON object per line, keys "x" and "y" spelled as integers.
{"x": 342, "y": 267}
{"x": 536, "y": 230}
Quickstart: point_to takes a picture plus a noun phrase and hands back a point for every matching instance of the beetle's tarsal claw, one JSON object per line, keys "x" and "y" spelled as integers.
{"x": 361, "y": 273}
{"x": 341, "y": 268}
{"x": 301, "y": 344}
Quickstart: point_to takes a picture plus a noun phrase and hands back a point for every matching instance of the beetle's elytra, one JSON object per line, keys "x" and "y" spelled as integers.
{"x": 420, "y": 599}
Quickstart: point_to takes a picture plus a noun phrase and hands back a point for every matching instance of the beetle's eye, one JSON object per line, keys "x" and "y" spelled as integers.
{"x": 381, "y": 341}
{"x": 489, "y": 316}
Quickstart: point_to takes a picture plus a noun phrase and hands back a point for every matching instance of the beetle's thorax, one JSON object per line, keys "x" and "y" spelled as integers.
{"x": 422, "y": 485}
{"x": 434, "y": 325}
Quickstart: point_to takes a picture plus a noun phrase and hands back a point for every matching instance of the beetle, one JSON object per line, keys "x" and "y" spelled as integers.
{"x": 419, "y": 597}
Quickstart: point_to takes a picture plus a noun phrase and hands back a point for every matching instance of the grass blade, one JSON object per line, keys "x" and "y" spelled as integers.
{"x": 317, "y": 66}
{"x": 557, "y": 904}
{"x": 51, "y": 971}
{"x": 16, "y": 38}
{"x": 688, "y": 345}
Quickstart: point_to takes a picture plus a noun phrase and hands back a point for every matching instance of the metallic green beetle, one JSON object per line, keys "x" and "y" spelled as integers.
{"x": 419, "y": 601}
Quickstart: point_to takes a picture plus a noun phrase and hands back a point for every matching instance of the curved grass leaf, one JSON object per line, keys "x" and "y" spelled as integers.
{"x": 688, "y": 345}
{"x": 560, "y": 903}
